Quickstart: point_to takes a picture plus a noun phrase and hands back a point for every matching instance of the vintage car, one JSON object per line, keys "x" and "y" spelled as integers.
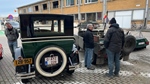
{"x": 141, "y": 41}
{"x": 46, "y": 46}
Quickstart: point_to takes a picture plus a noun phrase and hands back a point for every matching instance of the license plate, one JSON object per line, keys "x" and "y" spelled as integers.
{"x": 141, "y": 43}
{"x": 23, "y": 62}
{"x": 51, "y": 60}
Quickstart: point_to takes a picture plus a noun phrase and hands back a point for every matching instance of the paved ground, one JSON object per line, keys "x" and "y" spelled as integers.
{"x": 134, "y": 71}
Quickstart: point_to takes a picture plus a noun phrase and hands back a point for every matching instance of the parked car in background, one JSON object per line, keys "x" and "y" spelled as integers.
{"x": 141, "y": 41}
{"x": 15, "y": 24}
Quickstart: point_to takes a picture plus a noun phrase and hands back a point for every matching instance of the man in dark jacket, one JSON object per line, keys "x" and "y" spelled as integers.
{"x": 89, "y": 46}
{"x": 113, "y": 42}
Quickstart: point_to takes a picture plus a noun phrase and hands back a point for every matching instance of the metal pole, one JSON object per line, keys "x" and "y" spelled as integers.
{"x": 49, "y": 6}
{"x": 146, "y": 14}
{"x": 79, "y": 15}
{"x": 104, "y": 9}
{"x": 104, "y": 12}
{"x": 61, "y": 2}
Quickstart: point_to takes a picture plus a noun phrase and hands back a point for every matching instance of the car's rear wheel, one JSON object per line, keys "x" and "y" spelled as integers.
{"x": 47, "y": 68}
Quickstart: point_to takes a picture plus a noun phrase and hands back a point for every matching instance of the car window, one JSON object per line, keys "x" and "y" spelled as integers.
{"x": 48, "y": 27}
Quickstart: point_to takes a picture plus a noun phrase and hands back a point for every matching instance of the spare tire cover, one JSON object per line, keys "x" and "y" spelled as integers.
{"x": 130, "y": 43}
{"x": 40, "y": 55}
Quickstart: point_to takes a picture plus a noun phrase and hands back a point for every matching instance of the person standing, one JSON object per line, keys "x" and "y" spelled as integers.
{"x": 12, "y": 36}
{"x": 89, "y": 46}
{"x": 113, "y": 42}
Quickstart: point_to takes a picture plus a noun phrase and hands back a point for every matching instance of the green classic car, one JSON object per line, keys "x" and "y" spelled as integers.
{"x": 46, "y": 46}
{"x": 141, "y": 41}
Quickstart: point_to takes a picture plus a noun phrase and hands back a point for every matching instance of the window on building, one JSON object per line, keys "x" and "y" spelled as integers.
{"x": 30, "y": 9}
{"x": 99, "y": 15}
{"x": 24, "y": 10}
{"x": 90, "y": 1}
{"x": 80, "y": 2}
{"x": 36, "y": 8}
{"x": 111, "y": 15}
{"x": 55, "y": 4}
{"x": 83, "y": 16}
{"x": 76, "y": 16}
{"x": 149, "y": 14}
{"x": 62, "y": 3}
{"x": 91, "y": 16}
{"x": 44, "y": 6}
{"x": 69, "y": 2}
{"x": 20, "y": 11}
{"x": 138, "y": 14}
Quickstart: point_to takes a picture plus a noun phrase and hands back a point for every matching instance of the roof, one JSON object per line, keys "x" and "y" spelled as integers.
{"x": 32, "y": 4}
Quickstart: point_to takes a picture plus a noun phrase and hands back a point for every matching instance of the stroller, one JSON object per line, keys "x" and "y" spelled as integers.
{"x": 1, "y": 51}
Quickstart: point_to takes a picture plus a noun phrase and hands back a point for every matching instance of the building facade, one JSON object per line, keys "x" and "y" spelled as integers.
{"x": 127, "y": 12}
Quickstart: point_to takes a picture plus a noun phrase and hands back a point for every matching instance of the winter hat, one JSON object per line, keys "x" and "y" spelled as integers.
{"x": 113, "y": 20}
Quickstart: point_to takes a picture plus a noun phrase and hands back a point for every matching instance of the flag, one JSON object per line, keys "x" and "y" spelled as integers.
{"x": 105, "y": 18}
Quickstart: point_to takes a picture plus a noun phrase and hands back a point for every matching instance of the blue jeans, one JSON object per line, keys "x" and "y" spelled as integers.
{"x": 88, "y": 57}
{"x": 12, "y": 46}
{"x": 113, "y": 58}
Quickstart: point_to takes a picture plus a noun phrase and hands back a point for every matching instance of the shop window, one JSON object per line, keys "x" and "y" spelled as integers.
{"x": 83, "y": 16}
{"x": 44, "y": 6}
{"x": 91, "y": 16}
{"x": 99, "y": 16}
{"x": 111, "y": 15}
{"x": 55, "y": 4}
{"x": 138, "y": 14}
{"x": 36, "y": 8}
{"x": 76, "y": 16}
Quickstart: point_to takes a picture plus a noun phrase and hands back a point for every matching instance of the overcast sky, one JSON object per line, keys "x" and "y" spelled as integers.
{"x": 8, "y": 6}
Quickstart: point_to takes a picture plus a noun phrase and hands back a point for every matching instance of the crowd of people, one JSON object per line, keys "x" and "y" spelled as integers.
{"x": 113, "y": 42}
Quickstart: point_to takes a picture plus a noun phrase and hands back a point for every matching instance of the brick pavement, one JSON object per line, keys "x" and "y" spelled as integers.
{"x": 134, "y": 71}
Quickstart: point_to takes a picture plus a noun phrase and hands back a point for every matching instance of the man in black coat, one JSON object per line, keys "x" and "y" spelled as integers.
{"x": 113, "y": 42}
{"x": 89, "y": 46}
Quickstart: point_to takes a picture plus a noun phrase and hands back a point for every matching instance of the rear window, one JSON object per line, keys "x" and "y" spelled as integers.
{"x": 48, "y": 27}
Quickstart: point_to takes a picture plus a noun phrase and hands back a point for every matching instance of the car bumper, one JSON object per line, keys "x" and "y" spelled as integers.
{"x": 141, "y": 43}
